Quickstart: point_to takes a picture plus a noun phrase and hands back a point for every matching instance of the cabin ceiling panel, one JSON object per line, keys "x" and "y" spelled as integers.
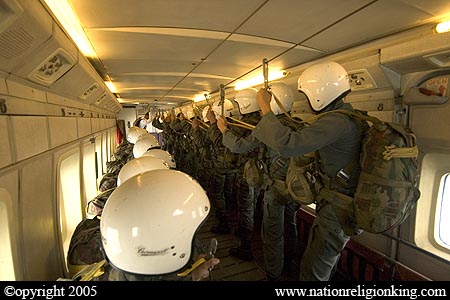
{"x": 366, "y": 25}
{"x": 125, "y": 45}
{"x": 201, "y": 85}
{"x": 293, "y": 58}
{"x": 293, "y": 20}
{"x": 146, "y": 87}
{"x": 173, "y": 50}
{"x": 199, "y": 14}
{"x": 435, "y": 7}
{"x": 136, "y": 67}
{"x": 242, "y": 57}
{"x": 126, "y": 83}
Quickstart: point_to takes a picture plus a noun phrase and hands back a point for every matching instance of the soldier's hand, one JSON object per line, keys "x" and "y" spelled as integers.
{"x": 263, "y": 98}
{"x": 195, "y": 123}
{"x": 202, "y": 271}
{"x": 211, "y": 116}
{"x": 222, "y": 124}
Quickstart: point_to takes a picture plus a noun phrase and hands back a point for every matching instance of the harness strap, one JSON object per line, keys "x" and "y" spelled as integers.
{"x": 90, "y": 271}
{"x": 337, "y": 199}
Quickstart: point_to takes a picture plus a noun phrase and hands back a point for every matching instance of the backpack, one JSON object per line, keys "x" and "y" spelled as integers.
{"x": 387, "y": 185}
{"x": 85, "y": 246}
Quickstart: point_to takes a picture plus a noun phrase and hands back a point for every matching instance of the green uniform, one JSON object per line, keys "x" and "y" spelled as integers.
{"x": 279, "y": 232}
{"x": 337, "y": 138}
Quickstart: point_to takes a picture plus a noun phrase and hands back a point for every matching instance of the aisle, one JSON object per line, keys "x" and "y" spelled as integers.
{"x": 231, "y": 268}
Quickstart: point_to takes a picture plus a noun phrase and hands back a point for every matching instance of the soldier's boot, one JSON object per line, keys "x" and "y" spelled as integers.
{"x": 243, "y": 251}
{"x": 221, "y": 228}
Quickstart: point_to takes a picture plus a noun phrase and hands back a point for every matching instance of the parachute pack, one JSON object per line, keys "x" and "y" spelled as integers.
{"x": 85, "y": 246}
{"x": 387, "y": 186}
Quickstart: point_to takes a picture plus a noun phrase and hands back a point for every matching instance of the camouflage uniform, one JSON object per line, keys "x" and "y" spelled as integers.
{"x": 168, "y": 136}
{"x": 182, "y": 146}
{"x": 279, "y": 233}
{"x": 205, "y": 157}
{"x": 246, "y": 194}
{"x": 337, "y": 138}
{"x": 222, "y": 180}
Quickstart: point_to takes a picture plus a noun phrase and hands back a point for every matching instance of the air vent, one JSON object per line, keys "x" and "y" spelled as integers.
{"x": 100, "y": 99}
{"x": 441, "y": 59}
{"x": 53, "y": 67}
{"x": 10, "y": 10}
{"x": 14, "y": 43}
{"x": 89, "y": 91}
{"x": 361, "y": 80}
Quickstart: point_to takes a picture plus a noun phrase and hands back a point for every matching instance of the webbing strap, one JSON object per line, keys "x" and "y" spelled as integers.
{"x": 90, "y": 271}
{"x": 335, "y": 198}
{"x": 403, "y": 152}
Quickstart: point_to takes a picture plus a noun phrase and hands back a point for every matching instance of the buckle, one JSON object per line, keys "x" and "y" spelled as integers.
{"x": 311, "y": 177}
{"x": 342, "y": 175}
{"x": 280, "y": 162}
{"x": 260, "y": 165}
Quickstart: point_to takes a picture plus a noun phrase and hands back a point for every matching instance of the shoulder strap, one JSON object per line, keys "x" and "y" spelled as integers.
{"x": 362, "y": 115}
{"x": 281, "y": 106}
{"x": 343, "y": 176}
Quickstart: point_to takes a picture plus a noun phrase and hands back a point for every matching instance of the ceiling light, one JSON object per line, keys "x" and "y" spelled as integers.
{"x": 273, "y": 75}
{"x": 68, "y": 19}
{"x": 199, "y": 97}
{"x": 443, "y": 27}
{"x": 111, "y": 87}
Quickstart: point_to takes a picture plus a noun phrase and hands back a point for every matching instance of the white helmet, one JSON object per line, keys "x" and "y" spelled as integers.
{"x": 140, "y": 165}
{"x": 164, "y": 155}
{"x": 323, "y": 83}
{"x": 229, "y": 109}
{"x": 246, "y": 100}
{"x": 284, "y": 94}
{"x": 134, "y": 133}
{"x": 189, "y": 112}
{"x": 148, "y": 223}
{"x": 144, "y": 143}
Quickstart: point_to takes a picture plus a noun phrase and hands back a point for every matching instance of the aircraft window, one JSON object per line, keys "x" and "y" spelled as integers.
{"x": 106, "y": 144}
{"x": 69, "y": 196}
{"x": 6, "y": 255}
{"x": 104, "y": 152}
{"x": 110, "y": 145}
{"x": 112, "y": 141}
{"x": 98, "y": 156}
{"x": 89, "y": 176}
{"x": 442, "y": 229}
{"x": 432, "y": 230}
